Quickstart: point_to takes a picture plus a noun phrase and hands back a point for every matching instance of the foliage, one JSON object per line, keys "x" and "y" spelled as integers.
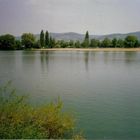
{"x": 28, "y": 40}
{"x": 42, "y": 39}
{"x": 7, "y": 42}
{"x": 77, "y": 44}
{"x": 18, "y": 45}
{"x": 131, "y": 41}
{"x": 52, "y": 42}
{"x": 114, "y": 43}
{"x": 71, "y": 44}
{"x": 106, "y": 43}
{"x": 63, "y": 44}
{"x": 94, "y": 43}
{"x": 47, "y": 39}
{"x": 20, "y": 120}
{"x": 85, "y": 43}
{"x": 120, "y": 43}
{"x": 86, "y": 35}
{"x": 37, "y": 44}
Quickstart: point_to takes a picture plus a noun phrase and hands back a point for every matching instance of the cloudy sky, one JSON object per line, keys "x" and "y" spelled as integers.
{"x": 96, "y": 16}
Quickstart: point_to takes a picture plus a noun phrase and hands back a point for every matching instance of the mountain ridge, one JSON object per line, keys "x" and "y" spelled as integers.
{"x": 77, "y": 36}
{"x": 67, "y": 36}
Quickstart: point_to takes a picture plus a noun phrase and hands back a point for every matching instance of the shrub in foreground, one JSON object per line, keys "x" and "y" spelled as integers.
{"x": 20, "y": 120}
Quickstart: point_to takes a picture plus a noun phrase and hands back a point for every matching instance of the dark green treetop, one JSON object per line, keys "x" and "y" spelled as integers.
{"x": 47, "y": 40}
{"x": 28, "y": 40}
{"x": 114, "y": 42}
{"x": 106, "y": 43}
{"x": 85, "y": 43}
{"x": 94, "y": 43}
{"x": 7, "y": 42}
{"x": 42, "y": 39}
{"x": 131, "y": 41}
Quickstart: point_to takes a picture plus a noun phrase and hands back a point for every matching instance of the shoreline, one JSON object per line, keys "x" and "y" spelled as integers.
{"x": 89, "y": 49}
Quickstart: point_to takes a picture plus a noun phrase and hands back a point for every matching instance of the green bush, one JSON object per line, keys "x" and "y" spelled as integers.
{"x": 20, "y": 120}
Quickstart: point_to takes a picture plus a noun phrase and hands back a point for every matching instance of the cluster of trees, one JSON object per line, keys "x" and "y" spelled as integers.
{"x": 129, "y": 42}
{"x": 49, "y": 42}
{"x": 46, "y": 41}
{"x": 8, "y": 42}
{"x": 28, "y": 41}
{"x": 20, "y": 120}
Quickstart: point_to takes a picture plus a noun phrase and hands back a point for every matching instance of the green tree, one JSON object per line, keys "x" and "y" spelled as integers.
{"x": 57, "y": 44}
{"x": 37, "y": 44}
{"x": 131, "y": 41}
{"x": 28, "y": 40}
{"x": 85, "y": 43}
{"x": 77, "y": 44}
{"x": 18, "y": 45}
{"x": 94, "y": 43}
{"x": 42, "y": 39}
{"x": 71, "y": 43}
{"x": 87, "y": 35}
{"x": 47, "y": 39}
{"x": 52, "y": 42}
{"x": 120, "y": 43}
{"x": 7, "y": 42}
{"x": 63, "y": 44}
{"x": 106, "y": 43}
{"x": 114, "y": 42}
{"x": 139, "y": 43}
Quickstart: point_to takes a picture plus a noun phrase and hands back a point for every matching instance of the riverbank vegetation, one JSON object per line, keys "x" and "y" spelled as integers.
{"x": 20, "y": 120}
{"x": 29, "y": 41}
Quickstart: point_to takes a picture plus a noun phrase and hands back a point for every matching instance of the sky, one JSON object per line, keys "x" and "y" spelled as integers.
{"x": 96, "y": 16}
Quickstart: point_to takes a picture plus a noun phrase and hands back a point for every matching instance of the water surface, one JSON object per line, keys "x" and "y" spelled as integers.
{"x": 102, "y": 88}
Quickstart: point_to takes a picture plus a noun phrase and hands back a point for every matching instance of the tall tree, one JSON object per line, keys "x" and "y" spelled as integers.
{"x": 42, "y": 40}
{"x": 47, "y": 39}
{"x": 114, "y": 42}
{"x": 87, "y": 36}
{"x": 52, "y": 42}
{"x": 85, "y": 43}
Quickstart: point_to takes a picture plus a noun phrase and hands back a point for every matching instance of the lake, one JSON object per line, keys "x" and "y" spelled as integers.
{"x": 102, "y": 89}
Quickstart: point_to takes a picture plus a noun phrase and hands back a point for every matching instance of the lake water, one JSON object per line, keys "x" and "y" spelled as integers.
{"x": 101, "y": 88}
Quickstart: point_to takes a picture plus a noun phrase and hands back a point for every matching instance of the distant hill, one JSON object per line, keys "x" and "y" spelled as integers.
{"x": 122, "y": 36}
{"x": 76, "y": 36}
{"x": 66, "y": 36}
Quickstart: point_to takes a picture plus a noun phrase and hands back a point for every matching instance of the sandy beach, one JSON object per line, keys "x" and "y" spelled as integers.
{"x": 91, "y": 49}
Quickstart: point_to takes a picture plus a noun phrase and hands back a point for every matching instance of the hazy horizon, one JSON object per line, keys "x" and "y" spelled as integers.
{"x": 99, "y": 17}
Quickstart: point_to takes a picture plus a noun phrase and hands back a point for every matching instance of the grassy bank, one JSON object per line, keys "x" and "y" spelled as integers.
{"x": 90, "y": 49}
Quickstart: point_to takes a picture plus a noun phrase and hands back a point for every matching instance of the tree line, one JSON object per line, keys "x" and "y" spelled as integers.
{"x": 28, "y": 41}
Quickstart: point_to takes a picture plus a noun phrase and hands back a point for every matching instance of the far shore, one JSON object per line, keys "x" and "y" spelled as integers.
{"x": 89, "y": 49}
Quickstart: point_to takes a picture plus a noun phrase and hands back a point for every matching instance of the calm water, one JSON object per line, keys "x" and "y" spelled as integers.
{"x": 102, "y": 88}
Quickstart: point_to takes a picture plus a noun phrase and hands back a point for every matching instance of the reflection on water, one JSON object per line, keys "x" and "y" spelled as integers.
{"x": 86, "y": 54}
{"x": 130, "y": 57}
{"x": 101, "y": 87}
{"x": 44, "y": 57}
